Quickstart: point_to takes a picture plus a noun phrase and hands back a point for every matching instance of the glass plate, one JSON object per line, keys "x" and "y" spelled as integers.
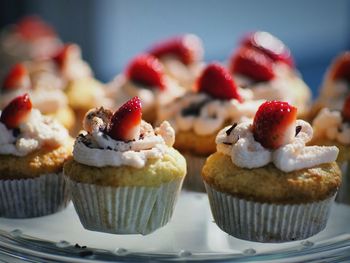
{"x": 191, "y": 235}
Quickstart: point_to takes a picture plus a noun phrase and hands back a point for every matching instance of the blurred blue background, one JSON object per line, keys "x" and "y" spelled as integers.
{"x": 111, "y": 32}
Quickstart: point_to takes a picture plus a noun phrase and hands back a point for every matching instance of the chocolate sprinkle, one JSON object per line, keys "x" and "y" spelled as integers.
{"x": 16, "y": 132}
{"x": 297, "y": 130}
{"x": 227, "y": 143}
{"x": 195, "y": 108}
{"x": 229, "y": 130}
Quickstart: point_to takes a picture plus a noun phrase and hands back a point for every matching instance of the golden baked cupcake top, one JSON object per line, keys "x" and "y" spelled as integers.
{"x": 122, "y": 138}
{"x": 264, "y": 65}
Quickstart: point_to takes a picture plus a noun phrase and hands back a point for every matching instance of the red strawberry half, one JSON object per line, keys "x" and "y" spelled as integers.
{"x": 67, "y": 52}
{"x": 346, "y": 109}
{"x": 16, "y": 111}
{"x": 218, "y": 83}
{"x": 125, "y": 122}
{"x": 252, "y": 63}
{"x": 269, "y": 45}
{"x": 274, "y": 124}
{"x": 187, "y": 48}
{"x": 32, "y": 28}
{"x": 340, "y": 68}
{"x": 146, "y": 69}
{"x": 18, "y": 77}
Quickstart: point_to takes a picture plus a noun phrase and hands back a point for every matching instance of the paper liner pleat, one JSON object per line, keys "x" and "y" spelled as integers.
{"x": 124, "y": 210}
{"x": 263, "y": 222}
{"x": 193, "y": 180}
{"x": 25, "y": 198}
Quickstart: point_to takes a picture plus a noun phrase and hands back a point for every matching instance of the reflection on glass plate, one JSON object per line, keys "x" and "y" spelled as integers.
{"x": 191, "y": 235}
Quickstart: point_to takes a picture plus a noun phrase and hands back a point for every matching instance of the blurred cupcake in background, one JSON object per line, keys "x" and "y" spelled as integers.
{"x": 45, "y": 89}
{"x": 264, "y": 64}
{"x": 29, "y": 38}
{"x": 198, "y": 116}
{"x": 145, "y": 77}
{"x": 335, "y": 86}
{"x": 332, "y": 127}
{"x": 182, "y": 58}
{"x": 33, "y": 149}
{"x": 82, "y": 89}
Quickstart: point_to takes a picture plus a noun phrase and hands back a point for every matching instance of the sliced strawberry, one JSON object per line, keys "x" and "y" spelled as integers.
{"x": 218, "y": 83}
{"x": 146, "y": 70}
{"x": 270, "y": 45}
{"x": 67, "y": 52}
{"x": 16, "y": 111}
{"x": 187, "y": 48}
{"x": 125, "y": 123}
{"x": 32, "y": 28}
{"x": 274, "y": 124}
{"x": 18, "y": 77}
{"x": 340, "y": 68}
{"x": 346, "y": 109}
{"x": 252, "y": 63}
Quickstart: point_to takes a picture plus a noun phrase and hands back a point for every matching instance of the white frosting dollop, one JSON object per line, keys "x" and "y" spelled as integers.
{"x": 211, "y": 113}
{"x": 98, "y": 149}
{"x": 246, "y": 152}
{"x": 329, "y": 124}
{"x": 37, "y": 131}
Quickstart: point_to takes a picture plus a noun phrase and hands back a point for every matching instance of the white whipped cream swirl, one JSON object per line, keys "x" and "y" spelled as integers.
{"x": 329, "y": 124}
{"x": 36, "y": 132}
{"x": 98, "y": 149}
{"x": 245, "y": 152}
{"x": 211, "y": 113}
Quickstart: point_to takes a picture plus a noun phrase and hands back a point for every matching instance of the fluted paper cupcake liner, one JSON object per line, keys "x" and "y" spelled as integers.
{"x": 124, "y": 210}
{"x": 193, "y": 180}
{"x": 263, "y": 222}
{"x": 25, "y": 198}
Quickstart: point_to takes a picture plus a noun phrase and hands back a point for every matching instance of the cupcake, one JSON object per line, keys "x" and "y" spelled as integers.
{"x": 182, "y": 58}
{"x": 336, "y": 85}
{"x": 332, "y": 127}
{"x": 82, "y": 89}
{"x": 145, "y": 78}
{"x": 198, "y": 116}
{"x": 33, "y": 149}
{"x": 30, "y": 38}
{"x": 264, "y": 184}
{"x": 45, "y": 89}
{"x": 263, "y": 64}
{"x": 125, "y": 176}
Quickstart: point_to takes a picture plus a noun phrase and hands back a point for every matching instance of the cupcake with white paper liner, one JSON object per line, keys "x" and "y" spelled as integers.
{"x": 332, "y": 127}
{"x": 336, "y": 85}
{"x": 44, "y": 88}
{"x": 264, "y": 184}
{"x": 33, "y": 148}
{"x": 125, "y": 176}
{"x": 145, "y": 78}
{"x": 264, "y": 64}
{"x": 198, "y": 116}
{"x": 182, "y": 58}
{"x": 30, "y": 38}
